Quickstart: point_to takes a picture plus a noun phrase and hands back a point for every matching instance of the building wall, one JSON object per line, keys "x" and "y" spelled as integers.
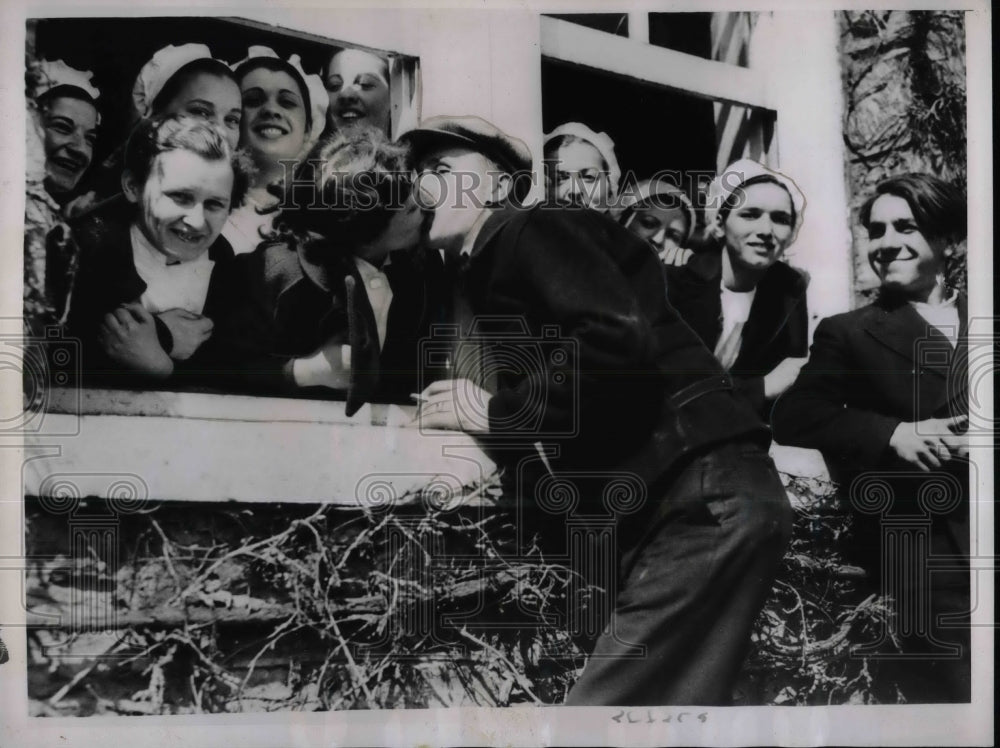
{"x": 797, "y": 53}
{"x": 904, "y": 86}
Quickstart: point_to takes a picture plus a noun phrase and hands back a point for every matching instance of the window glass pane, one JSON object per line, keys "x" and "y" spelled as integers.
{"x": 684, "y": 32}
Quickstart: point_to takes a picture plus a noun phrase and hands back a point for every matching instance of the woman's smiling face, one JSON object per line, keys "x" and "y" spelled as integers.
{"x": 274, "y": 125}
{"x": 213, "y": 98}
{"x": 184, "y": 202}
{"x": 759, "y": 226}
{"x": 358, "y": 86}
{"x": 70, "y": 128}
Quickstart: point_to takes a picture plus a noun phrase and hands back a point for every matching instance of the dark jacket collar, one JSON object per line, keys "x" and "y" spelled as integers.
{"x": 498, "y": 218}
{"x": 707, "y": 266}
{"x": 695, "y": 290}
{"x": 898, "y": 326}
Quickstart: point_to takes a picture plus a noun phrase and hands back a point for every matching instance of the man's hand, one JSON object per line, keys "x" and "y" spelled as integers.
{"x": 324, "y": 367}
{"x": 455, "y": 404}
{"x": 782, "y": 376}
{"x": 128, "y": 336}
{"x": 188, "y": 330}
{"x": 926, "y": 444}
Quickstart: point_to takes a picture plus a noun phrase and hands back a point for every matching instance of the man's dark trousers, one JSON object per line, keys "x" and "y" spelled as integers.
{"x": 692, "y": 587}
{"x": 638, "y": 394}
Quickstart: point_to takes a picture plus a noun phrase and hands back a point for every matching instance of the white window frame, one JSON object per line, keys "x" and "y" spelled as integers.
{"x": 633, "y": 56}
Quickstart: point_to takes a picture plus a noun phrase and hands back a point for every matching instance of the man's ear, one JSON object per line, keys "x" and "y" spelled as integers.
{"x": 130, "y": 187}
{"x": 502, "y": 186}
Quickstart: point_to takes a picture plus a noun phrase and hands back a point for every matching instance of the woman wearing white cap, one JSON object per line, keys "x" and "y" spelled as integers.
{"x": 745, "y": 303}
{"x": 186, "y": 79}
{"x": 61, "y": 134}
{"x": 66, "y": 103}
{"x": 284, "y": 112}
{"x": 661, "y": 214}
{"x": 179, "y": 79}
{"x": 580, "y": 167}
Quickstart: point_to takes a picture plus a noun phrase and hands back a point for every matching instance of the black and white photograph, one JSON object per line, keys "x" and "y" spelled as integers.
{"x": 497, "y": 374}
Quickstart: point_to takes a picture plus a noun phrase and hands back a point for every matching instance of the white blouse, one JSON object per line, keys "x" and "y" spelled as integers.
{"x": 170, "y": 284}
{"x": 735, "y": 313}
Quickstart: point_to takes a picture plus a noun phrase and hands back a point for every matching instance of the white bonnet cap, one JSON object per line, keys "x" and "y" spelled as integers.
{"x": 600, "y": 140}
{"x": 161, "y": 68}
{"x": 53, "y": 73}
{"x": 739, "y": 173}
{"x": 319, "y": 100}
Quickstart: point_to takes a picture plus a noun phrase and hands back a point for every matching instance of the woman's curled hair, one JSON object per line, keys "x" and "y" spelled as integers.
{"x": 179, "y": 132}
{"x": 347, "y": 189}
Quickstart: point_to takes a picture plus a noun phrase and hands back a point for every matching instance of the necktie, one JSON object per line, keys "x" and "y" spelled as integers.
{"x": 469, "y": 353}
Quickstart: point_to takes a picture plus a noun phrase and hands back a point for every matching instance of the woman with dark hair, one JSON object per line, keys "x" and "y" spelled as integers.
{"x": 150, "y": 285}
{"x": 884, "y": 397}
{"x": 358, "y": 86}
{"x": 338, "y": 302}
{"x": 66, "y": 103}
{"x": 186, "y": 79}
{"x": 284, "y": 112}
{"x": 743, "y": 301}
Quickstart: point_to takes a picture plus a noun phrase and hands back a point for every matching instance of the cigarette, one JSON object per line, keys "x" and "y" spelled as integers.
{"x": 418, "y": 397}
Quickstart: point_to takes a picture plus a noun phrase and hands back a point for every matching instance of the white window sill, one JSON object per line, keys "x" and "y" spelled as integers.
{"x": 189, "y": 446}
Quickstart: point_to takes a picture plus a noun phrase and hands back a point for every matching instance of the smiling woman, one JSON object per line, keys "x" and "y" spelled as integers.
{"x": 70, "y": 124}
{"x": 151, "y": 264}
{"x": 358, "y": 85}
{"x": 745, "y": 303}
{"x": 284, "y": 109}
{"x": 67, "y": 103}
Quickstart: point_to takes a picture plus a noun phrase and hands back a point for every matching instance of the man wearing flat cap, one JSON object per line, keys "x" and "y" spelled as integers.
{"x": 619, "y": 386}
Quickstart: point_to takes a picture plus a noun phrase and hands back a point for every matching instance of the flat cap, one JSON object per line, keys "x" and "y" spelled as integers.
{"x": 474, "y": 133}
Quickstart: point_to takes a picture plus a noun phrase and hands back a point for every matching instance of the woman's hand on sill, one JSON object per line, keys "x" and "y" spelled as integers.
{"x": 188, "y": 330}
{"x": 128, "y": 336}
